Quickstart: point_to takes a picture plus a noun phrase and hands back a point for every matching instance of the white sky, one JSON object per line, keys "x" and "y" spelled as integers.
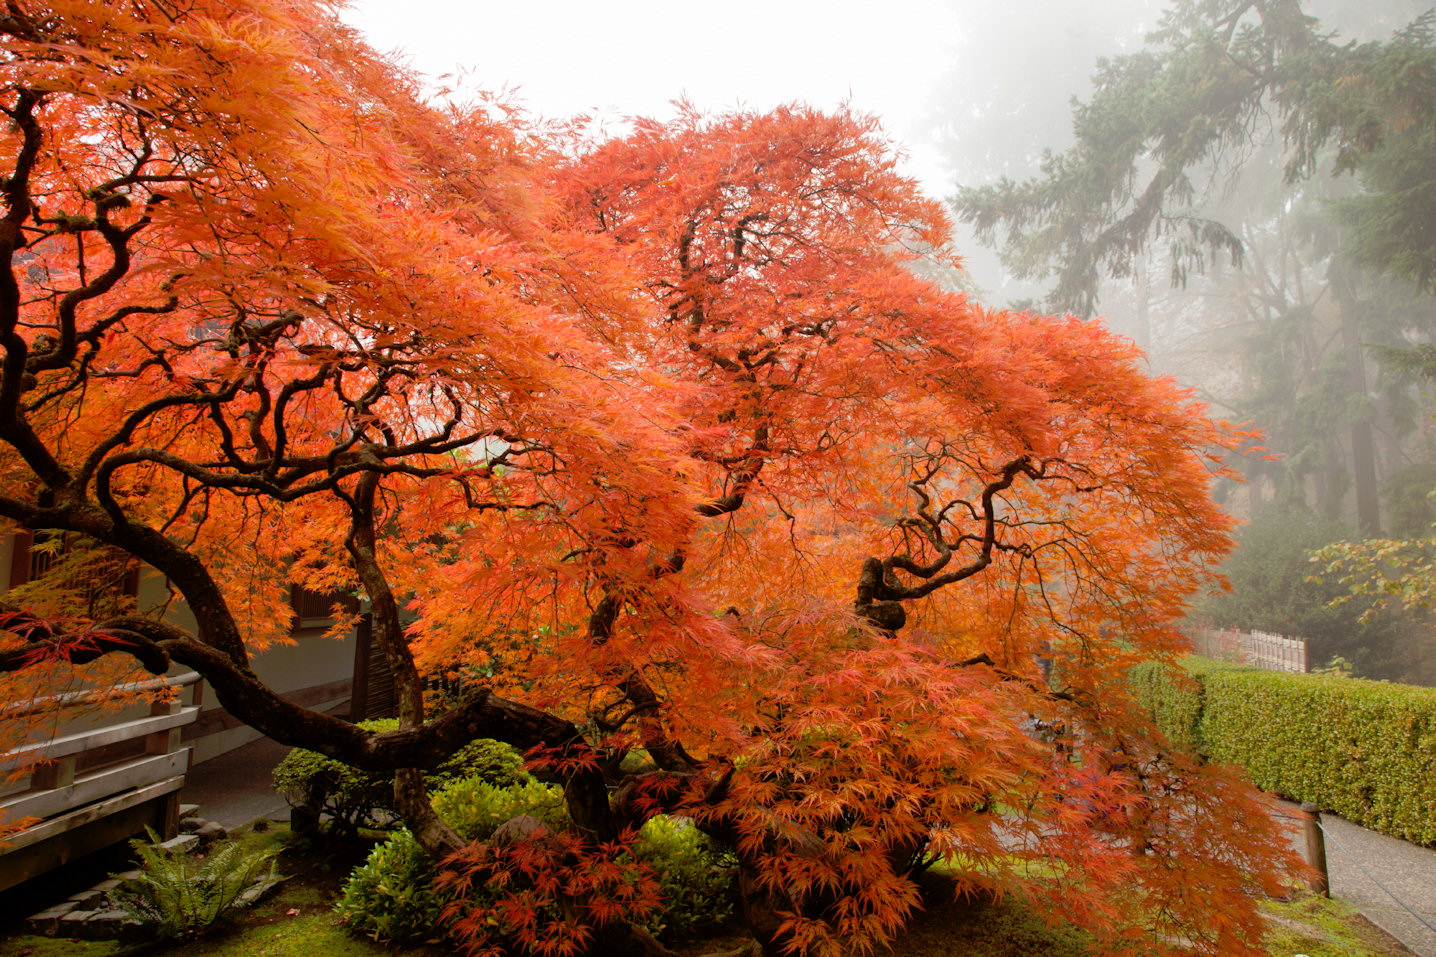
{"x": 969, "y": 88}
{"x": 633, "y": 57}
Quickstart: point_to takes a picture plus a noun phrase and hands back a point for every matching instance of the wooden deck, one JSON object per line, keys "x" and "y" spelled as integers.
{"x": 91, "y": 788}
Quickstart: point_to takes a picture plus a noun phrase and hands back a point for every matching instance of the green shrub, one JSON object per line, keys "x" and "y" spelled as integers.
{"x": 351, "y": 798}
{"x": 1363, "y": 749}
{"x": 319, "y": 785}
{"x": 474, "y": 808}
{"x": 695, "y": 874}
{"x": 179, "y": 896}
{"x": 392, "y": 897}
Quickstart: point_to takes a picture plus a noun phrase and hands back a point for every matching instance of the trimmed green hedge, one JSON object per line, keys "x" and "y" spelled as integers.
{"x": 1364, "y": 749}
{"x": 1174, "y": 697}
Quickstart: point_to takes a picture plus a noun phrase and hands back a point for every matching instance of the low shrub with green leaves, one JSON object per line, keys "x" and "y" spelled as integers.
{"x": 351, "y": 799}
{"x": 695, "y": 875}
{"x": 178, "y": 896}
{"x": 392, "y": 897}
{"x": 1364, "y": 749}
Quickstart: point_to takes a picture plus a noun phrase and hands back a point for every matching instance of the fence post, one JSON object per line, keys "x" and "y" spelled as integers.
{"x": 1315, "y": 847}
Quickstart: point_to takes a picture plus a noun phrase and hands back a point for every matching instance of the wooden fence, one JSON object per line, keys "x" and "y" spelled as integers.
{"x": 93, "y": 787}
{"x": 1258, "y": 648}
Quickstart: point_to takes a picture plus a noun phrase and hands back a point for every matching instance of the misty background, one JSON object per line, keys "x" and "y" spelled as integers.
{"x": 1261, "y": 289}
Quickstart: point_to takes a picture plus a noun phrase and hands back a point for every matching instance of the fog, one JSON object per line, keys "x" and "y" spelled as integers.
{"x": 969, "y": 90}
{"x": 918, "y": 66}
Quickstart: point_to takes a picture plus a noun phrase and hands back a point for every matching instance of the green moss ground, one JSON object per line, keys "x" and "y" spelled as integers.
{"x": 1324, "y": 928}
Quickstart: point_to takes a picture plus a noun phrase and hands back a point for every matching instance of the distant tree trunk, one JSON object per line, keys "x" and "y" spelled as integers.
{"x": 1331, "y": 480}
{"x": 1143, "y": 333}
{"x": 1363, "y": 442}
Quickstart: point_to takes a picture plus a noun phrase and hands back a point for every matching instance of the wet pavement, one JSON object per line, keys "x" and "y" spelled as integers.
{"x": 236, "y": 788}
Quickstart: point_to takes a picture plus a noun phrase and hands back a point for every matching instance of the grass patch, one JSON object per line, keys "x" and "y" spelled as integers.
{"x": 988, "y": 929}
{"x": 1324, "y": 928}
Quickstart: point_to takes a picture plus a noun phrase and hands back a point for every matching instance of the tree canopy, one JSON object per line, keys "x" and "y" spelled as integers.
{"x": 656, "y": 445}
{"x": 1166, "y": 128}
{"x": 1199, "y": 156}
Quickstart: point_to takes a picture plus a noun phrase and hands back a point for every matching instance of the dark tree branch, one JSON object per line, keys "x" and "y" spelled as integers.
{"x": 879, "y": 592}
{"x": 480, "y": 715}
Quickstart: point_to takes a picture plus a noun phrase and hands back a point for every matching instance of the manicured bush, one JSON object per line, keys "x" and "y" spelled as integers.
{"x": 351, "y": 799}
{"x": 474, "y": 807}
{"x": 1363, "y": 749}
{"x": 392, "y": 897}
{"x": 316, "y": 785}
{"x": 1174, "y": 697}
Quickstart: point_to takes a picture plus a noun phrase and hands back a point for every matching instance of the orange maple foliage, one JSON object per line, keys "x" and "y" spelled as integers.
{"x": 657, "y": 445}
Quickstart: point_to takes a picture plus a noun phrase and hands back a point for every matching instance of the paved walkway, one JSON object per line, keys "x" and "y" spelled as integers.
{"x": 1377, "y": 874}
{"x": 236, "y": 788}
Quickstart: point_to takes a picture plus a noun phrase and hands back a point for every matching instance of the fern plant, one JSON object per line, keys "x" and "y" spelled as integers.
{"x": 178, "y": 896}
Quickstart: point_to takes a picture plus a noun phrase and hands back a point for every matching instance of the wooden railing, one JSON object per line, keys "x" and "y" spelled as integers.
{"x": 1259, "y": 648}
{"x": 93, "y": 787}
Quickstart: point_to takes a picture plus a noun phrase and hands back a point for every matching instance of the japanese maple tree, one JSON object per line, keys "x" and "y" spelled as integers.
{"x": 658, "y": 444}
